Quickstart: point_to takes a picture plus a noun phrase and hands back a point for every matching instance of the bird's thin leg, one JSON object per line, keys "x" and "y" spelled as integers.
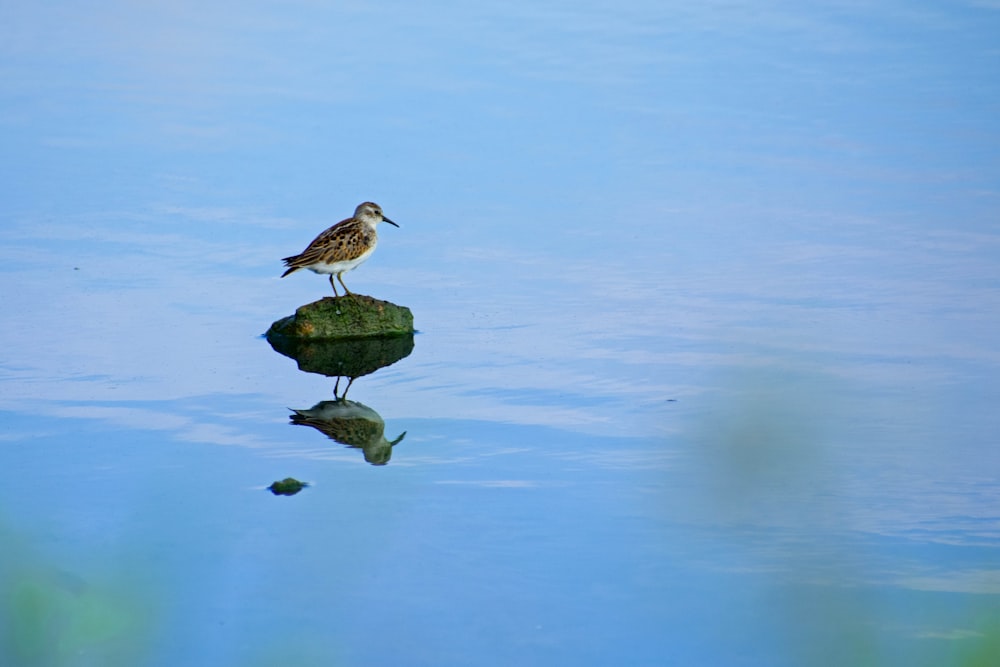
{"x": 350, "y": 381}
{"x": 334, "y": 285}
{"x": 340, "y": 277}
{"x": 335, "y": 385}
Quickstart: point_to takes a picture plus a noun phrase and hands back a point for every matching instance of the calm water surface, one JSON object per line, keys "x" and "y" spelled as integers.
{"x": 708, "y": 301}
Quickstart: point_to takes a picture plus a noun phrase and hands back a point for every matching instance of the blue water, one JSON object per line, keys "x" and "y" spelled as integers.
{"x": 708, "y": 301}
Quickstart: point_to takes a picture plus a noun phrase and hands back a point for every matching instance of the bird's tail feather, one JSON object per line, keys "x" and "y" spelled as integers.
{"x": 289, "y": 262}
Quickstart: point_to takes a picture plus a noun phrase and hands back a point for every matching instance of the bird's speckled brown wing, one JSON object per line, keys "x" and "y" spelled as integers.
{"x": 354, "y": 431}
{"x": 346, "y": 240}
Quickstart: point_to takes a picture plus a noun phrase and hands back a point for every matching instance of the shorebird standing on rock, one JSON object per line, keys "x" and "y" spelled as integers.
{"x": 342, "y": 247}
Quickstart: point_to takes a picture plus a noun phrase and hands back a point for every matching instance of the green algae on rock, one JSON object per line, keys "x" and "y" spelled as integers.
{"x": 350, "y": 316}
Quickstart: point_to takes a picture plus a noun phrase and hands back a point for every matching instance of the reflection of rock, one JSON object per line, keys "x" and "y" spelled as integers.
{"x": 350, "y": 423}
{"x": 350, "y": 316}
{"x": 287, "y": 487}
{"x": 349, "y": 358}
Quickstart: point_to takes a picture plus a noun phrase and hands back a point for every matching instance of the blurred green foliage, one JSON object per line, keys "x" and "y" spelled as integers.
{"x": 53, "y": 618}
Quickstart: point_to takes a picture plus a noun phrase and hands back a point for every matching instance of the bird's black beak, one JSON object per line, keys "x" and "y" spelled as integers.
{"x": 385, "y": 219}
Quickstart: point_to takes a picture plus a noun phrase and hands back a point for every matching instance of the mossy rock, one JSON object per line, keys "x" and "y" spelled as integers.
{"x": 350, "y": 316}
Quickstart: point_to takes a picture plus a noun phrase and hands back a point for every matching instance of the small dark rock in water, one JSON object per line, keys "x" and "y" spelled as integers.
{"x": 351, "y": 316}
{"x": 287, "y": 487}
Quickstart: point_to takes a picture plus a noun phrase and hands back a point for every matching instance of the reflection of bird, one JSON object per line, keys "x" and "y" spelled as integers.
{"x": 350, "y": 423}
{"x": 342, "y": 247}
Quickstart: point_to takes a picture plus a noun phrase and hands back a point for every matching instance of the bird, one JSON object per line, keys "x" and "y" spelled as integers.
{"x": 342, "y": 247}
